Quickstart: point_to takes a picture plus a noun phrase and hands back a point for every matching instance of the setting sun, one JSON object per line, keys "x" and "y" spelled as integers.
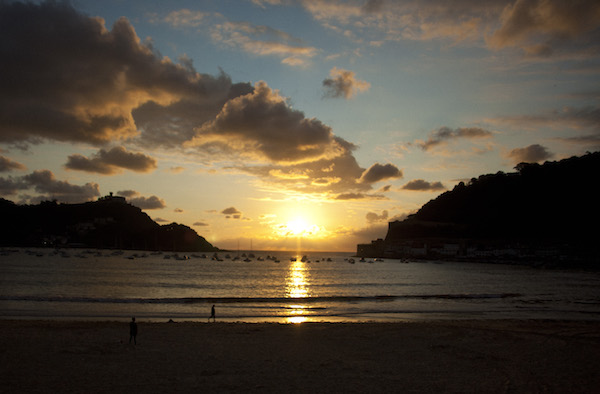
{"x": 299, "y": 227}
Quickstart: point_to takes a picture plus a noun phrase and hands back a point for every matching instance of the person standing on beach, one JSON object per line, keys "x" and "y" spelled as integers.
{"x": 133, "y": 331}
{"x": 212, "y": 314}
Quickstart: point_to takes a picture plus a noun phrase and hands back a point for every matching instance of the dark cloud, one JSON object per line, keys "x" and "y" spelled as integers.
{"x": 161, "y": 220}
{"x": 112, "y": 161}
{"x": 373, "y": 6}
{"x": 378, "y": 172}
{"x": 351, "y": 196}
{"x": 530, "y": 154}
{"x": 422, "y": 185}
{"x": 152, "y": 202}
{"x": 590, "y": 140}
{"x": 541, "y": 28}
{"x": 178, "y": 210}
{"x": 127, "y": 193}
{"x": 49, "y": 188}
{"x": 172, "y": 125}
{"x": 66, "y": 77}
{"x": 571, "y": 117}
{"x": 10, "y": 186}
{"x": 7, "y": 164}
{"x": 46, "y": 184}
{"x": 358, "y": 196}
{"x": 343, "y": 83}
{"x": 444, "y": 134}
{"x": 373, "y": 217}
{"x": 231, "y": 212}
{"x": 200, "y": 224}
{"x": 263, "y": 126}
{"x": 525, "y": 22}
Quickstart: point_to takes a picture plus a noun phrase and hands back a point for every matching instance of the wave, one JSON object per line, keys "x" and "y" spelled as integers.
{"x": 255, "y": 300}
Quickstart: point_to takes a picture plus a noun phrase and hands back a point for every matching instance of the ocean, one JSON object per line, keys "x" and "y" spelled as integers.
{"x": 280, "y": 287}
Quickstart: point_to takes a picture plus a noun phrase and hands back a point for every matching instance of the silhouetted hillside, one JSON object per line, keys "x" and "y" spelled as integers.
{"x": 109, "y": 222}
{"x": 547, "y": 206}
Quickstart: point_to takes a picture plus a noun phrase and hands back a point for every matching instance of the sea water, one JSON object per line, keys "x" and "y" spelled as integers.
{"x": 281, "y": 287}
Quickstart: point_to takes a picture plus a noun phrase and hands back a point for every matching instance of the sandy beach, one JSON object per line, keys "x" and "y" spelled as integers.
{"x": 450, "y": 357}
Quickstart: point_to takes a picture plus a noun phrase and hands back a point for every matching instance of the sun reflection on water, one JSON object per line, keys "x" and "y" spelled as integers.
{"x": 297, "y": 287}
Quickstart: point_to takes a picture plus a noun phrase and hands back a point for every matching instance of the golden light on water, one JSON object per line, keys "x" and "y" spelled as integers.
{"x": 297, "y": 286}
{"x": 297, "y": 281}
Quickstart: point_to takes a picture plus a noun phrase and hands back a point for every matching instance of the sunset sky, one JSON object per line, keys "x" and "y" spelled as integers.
{"x": 274, "y": 122}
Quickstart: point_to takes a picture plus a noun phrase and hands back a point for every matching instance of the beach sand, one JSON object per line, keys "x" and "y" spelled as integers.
{"x": 414, "y": 357}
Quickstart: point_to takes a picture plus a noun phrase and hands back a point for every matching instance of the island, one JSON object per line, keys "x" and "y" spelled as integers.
{"x": 108, "y": 223}
{"x": 542, "y": 214}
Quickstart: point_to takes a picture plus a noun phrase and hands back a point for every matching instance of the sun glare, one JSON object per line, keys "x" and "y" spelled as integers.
{"x": 298, "y": 226}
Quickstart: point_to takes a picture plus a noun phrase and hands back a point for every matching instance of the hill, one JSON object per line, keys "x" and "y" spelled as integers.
{"x": 550, "y": 209}
{"x": 109, "y": 222}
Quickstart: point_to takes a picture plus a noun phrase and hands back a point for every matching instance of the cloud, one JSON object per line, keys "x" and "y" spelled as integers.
{"x": 590, "y": 140}
{"x": 100, "y": 86}
{"x": 373, "y": 217}
{"x": 7, "y": 164}
{"x": 261, "y": 125}
{"x": 112, "y": 161}
{"x": 337, "y": 175}
{"x": 152, "y": 202}
{"x": 178, "y": 210}
{"x": 445, "y": 134}
{"x": 231, "y": 212}
{"x": 176, "y": 169}
{"x": 568, "y": 117}
{"x": 422, "y": 185}
{"x": 530, "y": 154}
{"x": 134, "y": 198}
{"x": 407, "y": 20}
{"x": 185, "y": 18}
{"x": 541, "y": 28}
{"x": 49, "y": 188}
{"x": 95, "y": 85}
{"x": 161, "y": 220}
{"x": 378, "y": 172}
{"x": 263, "y": 41}
{"x": 127, "y": 193}
{"x": 10, "y": 186}
{"x": 44, "y": 182}
{"x": 200, "y": 224}
{"x": 358, "y": 196}
{"x": 344, "y": 84}
{"x": 526, "y": 21}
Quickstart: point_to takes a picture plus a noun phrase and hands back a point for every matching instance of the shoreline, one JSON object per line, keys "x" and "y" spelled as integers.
{"x": 417, "y": 356}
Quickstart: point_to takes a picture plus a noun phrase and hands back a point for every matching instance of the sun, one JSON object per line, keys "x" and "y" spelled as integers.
{"x": 298, "y": 226}
{"x": 301, "y": 228}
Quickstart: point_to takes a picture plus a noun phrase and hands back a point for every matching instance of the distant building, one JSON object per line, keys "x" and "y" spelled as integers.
{"x": 111, "y": 198}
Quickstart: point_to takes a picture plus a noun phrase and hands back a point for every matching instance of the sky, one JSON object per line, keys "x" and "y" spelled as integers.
{"x": 288, "y": 124}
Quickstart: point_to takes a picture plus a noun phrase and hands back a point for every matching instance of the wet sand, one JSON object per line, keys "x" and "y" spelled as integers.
{"x": 431, "y": 357}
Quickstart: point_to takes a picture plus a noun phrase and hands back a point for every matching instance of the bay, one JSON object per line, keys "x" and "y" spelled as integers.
{"x": 280, "y": 287}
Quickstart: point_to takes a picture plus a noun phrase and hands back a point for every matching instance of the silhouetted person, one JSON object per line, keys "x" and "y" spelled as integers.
{"x": 133, "y": 331}
{"x": 212, "y": 314}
